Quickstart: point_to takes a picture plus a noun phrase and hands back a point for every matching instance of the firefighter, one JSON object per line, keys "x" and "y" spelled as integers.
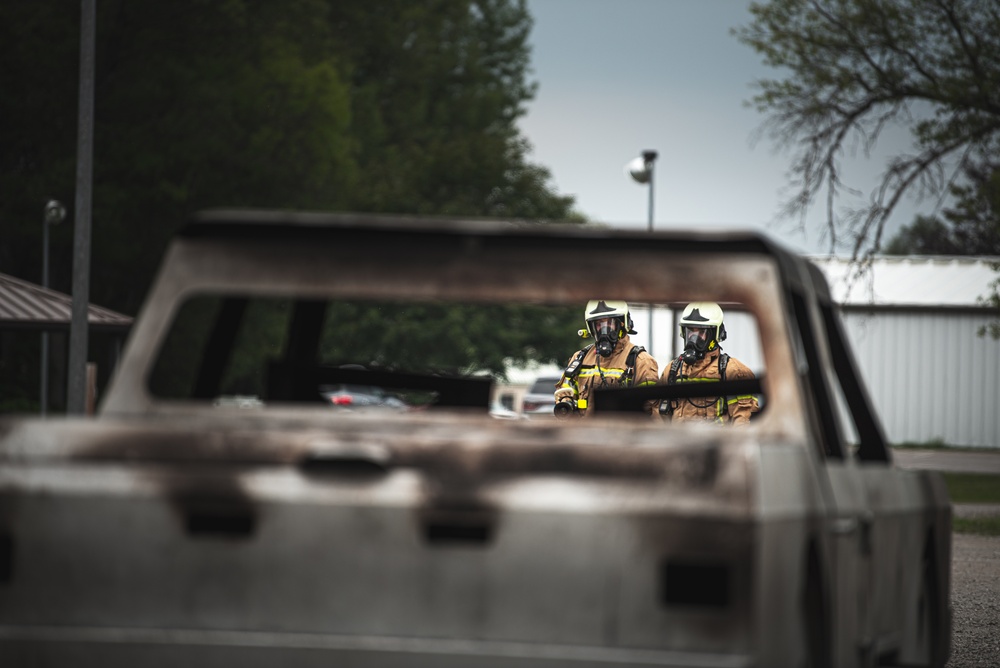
{"x": 702, "y": 328}
{"x": 612, "y": 360}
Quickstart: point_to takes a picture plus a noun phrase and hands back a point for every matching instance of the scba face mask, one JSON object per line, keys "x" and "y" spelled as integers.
{"x": 606, "y": 334}
{"x": 695, "y": 345}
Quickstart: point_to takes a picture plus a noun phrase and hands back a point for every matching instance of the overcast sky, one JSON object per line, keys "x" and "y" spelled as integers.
{"x": 620, "y": 76}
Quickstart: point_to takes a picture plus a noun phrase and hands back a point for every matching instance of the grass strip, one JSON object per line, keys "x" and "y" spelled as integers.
{"x": 973, "y": 487}
{"x": 986, "y": 525}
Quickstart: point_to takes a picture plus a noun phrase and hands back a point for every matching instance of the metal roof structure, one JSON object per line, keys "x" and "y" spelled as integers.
{"x": 910, "y": 281}
{"x": 26, "y": 305}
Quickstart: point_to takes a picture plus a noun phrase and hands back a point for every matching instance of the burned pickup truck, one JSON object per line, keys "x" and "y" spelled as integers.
{"x": 222, "y": 510}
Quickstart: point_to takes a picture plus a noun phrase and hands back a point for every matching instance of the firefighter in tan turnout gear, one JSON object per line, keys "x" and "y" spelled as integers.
{"x": 611, "y": 361}
{"x": 702, "y": 328}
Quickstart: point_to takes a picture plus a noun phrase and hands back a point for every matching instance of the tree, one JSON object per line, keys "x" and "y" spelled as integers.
{"x": 971, "y": 227}
{"x": 926, "y": 235}
{"x": 437, "y": 88}
{"x": 975, "y": 218}
{"x": 305, "y": 104}
{"x": 241, "y": 107}
{"x": 311, "y": 104}
{"x": 854, "y": 67}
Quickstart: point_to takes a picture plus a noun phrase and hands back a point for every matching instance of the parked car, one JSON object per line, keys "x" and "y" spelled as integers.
{"x": 360, "y": 396}
{"x": 501, "y": 412}
{"x": 538, "y": 400}
{"x": 175, "y": 528}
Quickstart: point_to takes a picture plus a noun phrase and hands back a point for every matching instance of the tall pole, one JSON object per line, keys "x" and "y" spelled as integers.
{"x": 77, "y": 382}
{"x": 649, "y": 157}
{"x": 641, "y": 171}
{"x": 55, "y": 212}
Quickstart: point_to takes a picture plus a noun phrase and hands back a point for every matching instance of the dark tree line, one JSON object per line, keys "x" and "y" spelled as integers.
{"x": 311, "y": 104}
{"x": 338, "y": 105}
{"x": 970, "y": 227}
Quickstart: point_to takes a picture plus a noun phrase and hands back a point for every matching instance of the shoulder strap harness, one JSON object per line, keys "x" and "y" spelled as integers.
{"x": 666, "y": 407}
{"x": 629, "y": 374}
{"x": 627, "y": 377}
{"x": 574, "y": 367}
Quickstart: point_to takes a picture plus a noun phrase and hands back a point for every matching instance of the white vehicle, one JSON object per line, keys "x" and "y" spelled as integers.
{"x": 538, "y": 400}
{"x": 177, "y": 528}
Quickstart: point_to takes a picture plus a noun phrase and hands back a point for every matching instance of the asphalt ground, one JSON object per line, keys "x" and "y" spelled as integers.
{"x": 957, "y": 461}
{"x": 975, "y": 600}
{"x": 975, "y": 574}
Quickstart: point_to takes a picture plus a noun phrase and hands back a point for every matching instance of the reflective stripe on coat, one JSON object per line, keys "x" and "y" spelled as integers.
{"x": 737, "y": 410}
{"x": 596, "y": 371}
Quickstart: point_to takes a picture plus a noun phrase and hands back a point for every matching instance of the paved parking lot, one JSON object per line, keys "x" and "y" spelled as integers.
{"x": 959, "y": 461}
{"x": 975, "y": 593}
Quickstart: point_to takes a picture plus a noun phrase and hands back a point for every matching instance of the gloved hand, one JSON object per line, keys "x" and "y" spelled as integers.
{"x": 563, "y": 394}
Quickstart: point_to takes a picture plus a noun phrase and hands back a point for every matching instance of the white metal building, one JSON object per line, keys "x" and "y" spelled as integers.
{"x": 913, "y": 324}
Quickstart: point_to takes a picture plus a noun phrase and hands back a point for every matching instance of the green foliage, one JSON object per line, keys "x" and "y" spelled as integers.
{"x": 975, "y": 218}
{"x": 933, "y": 444}
{"x": 437, "y": 88}
{"x": 992, "y": 300}
{"x": 448, "y": 338}
{"x": 335, "y": 105}
{"x": 306, "y": 104}
{"x": 18, "y": 365}
{"x": 927, "y": 235}
{"x": 410, "y": 337}
{"x": 851, "y": 68}
{"x": 985, "y": 525}
{"x": 970, "y": 227}
{"x": 973, "y": 487}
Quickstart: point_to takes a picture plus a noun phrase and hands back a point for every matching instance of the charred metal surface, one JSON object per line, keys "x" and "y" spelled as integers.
{"x": 342, "y": 466}
{"x": 6, "y": 556}
{"x": 696, "y": 583}
{"x": 453, "y": 520}
{"x": 440, "y": 448}
{"x": 210, "y": 505}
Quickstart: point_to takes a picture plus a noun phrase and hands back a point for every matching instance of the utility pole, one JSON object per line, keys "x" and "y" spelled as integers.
{"x": 77, "y": 382}
{"x": 641, "y": 170}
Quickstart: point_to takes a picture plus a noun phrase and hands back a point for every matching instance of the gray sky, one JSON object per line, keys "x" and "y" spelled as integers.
{"x": 620, "y": 76}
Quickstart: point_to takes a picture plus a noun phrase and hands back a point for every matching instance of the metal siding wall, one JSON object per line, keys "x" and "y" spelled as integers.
{"x": 929, "y": 375}
{"x": 743, "y": 341}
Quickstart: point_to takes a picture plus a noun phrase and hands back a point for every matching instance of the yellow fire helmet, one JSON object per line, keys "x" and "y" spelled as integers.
{"x": 704, "y": 315}
{"x": 598, "y": 309}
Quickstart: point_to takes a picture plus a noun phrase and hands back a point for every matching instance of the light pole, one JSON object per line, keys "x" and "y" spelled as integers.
{"x": 641, "y": 170}
{"x": 54, "y": 214}
{"x": 76, "y": 376}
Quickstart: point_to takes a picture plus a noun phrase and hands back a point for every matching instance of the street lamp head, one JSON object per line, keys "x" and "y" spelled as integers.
{"x": 55, "y": 212}
{"x": 641, "y": 168}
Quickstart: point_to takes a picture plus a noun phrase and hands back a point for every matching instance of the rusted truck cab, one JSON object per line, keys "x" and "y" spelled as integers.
{"x": 217, "y": 511}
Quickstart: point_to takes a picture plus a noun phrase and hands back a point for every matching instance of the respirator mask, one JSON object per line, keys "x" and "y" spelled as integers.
{"x": 695, "y": 345}
{"x": 606, "y": 336}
